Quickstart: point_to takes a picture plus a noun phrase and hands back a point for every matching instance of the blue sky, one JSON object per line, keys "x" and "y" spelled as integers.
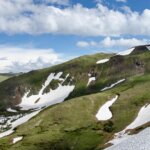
{"x": 69, "y": 28}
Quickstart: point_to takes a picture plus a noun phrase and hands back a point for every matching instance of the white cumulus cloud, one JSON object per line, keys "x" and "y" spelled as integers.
{"x": 109, "y": 42}
{"x": 122, "y": 42}
{"x": 60, "y": 2}
{"x": 85, "y": 44}
{"x": 82, "y": 44}
{"x": 17, "y": 59}
{"x": 24, "y": 16}
{"x": 124, "y": 1}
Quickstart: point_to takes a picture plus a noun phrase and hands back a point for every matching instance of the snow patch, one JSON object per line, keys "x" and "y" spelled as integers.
{"x": 138, "y": 141}
{"x": 90, "y": 80}
{"x": 17, "y": 139}
{"x": 44, "y": 100}
{"x": 63, "y": 80}
{"x": 102, "y": 61}
{"x": 89, "y": 74}
{"x": 112, "y": 85}
{"x": 53, "y": 97}
{"x": 11, "y": 110}
{"x": 104, "y": 112}
{"x": 148, "y": 47}
{"x": 142, "y": 118}
{"x": 127, "y": 52}
{"x": 18, "y": 122}
{"x": 48, "y": 81}
{"x": 38, "y": 102}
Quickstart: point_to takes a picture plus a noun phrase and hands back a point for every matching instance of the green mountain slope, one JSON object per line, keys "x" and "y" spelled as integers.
{"x": 116, "y": 68}
{"x": 2, "y": 78}
{"x": 33, "y": 80}
{"x": 72, "y": 125}
{"x": 5, "y": 76}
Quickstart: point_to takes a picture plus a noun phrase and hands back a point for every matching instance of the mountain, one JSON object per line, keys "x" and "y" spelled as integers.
{"x": 104, "y": 102}
{"x": 5, "y": 76}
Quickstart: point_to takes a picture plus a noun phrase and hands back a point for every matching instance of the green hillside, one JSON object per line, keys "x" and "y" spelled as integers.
{"x": 4, "y": 77}
{"x": 72, "y": 125}
{"x": 117, "y": 68}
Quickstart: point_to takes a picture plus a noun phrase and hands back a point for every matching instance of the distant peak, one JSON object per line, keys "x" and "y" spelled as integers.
{"x": 140, "y": 49}
{"x": 135, "y": 50}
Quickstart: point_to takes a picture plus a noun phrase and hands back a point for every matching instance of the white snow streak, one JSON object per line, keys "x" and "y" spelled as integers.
{"x": 63, "y": 80}
{"x": 49, "y": 79}
{"x": 104, "y": 112}
{"x": 89, "y": 74}
{"x": 112, "y": 85}
{"x": 11, "y": 110}
{"x": 17, "y": 139}
{"x": 127, "y": 52}
{"x": 142, "y": 118}
{"x": 148, "y": 47}
{"x": 90, "y": 80}
{"x": 102, "y": 61}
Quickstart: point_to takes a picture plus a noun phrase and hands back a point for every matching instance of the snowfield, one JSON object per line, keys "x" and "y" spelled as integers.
{"x": 112, "y": 85}
{"x": 44, "y": 100}
{"x": 140, "y": 141}
{"x": 18, "y": 122}
{"x": 142, "y": 118}
{"x": 122, "y": 137}
{"x": 102, "y": 61}
{"x": 90, "y": 80}
{"x": 127, "y": 52}
{"x": 17, "y": 139}
{"x": 104, "y": 112}
{"x": 38, "y": 102}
